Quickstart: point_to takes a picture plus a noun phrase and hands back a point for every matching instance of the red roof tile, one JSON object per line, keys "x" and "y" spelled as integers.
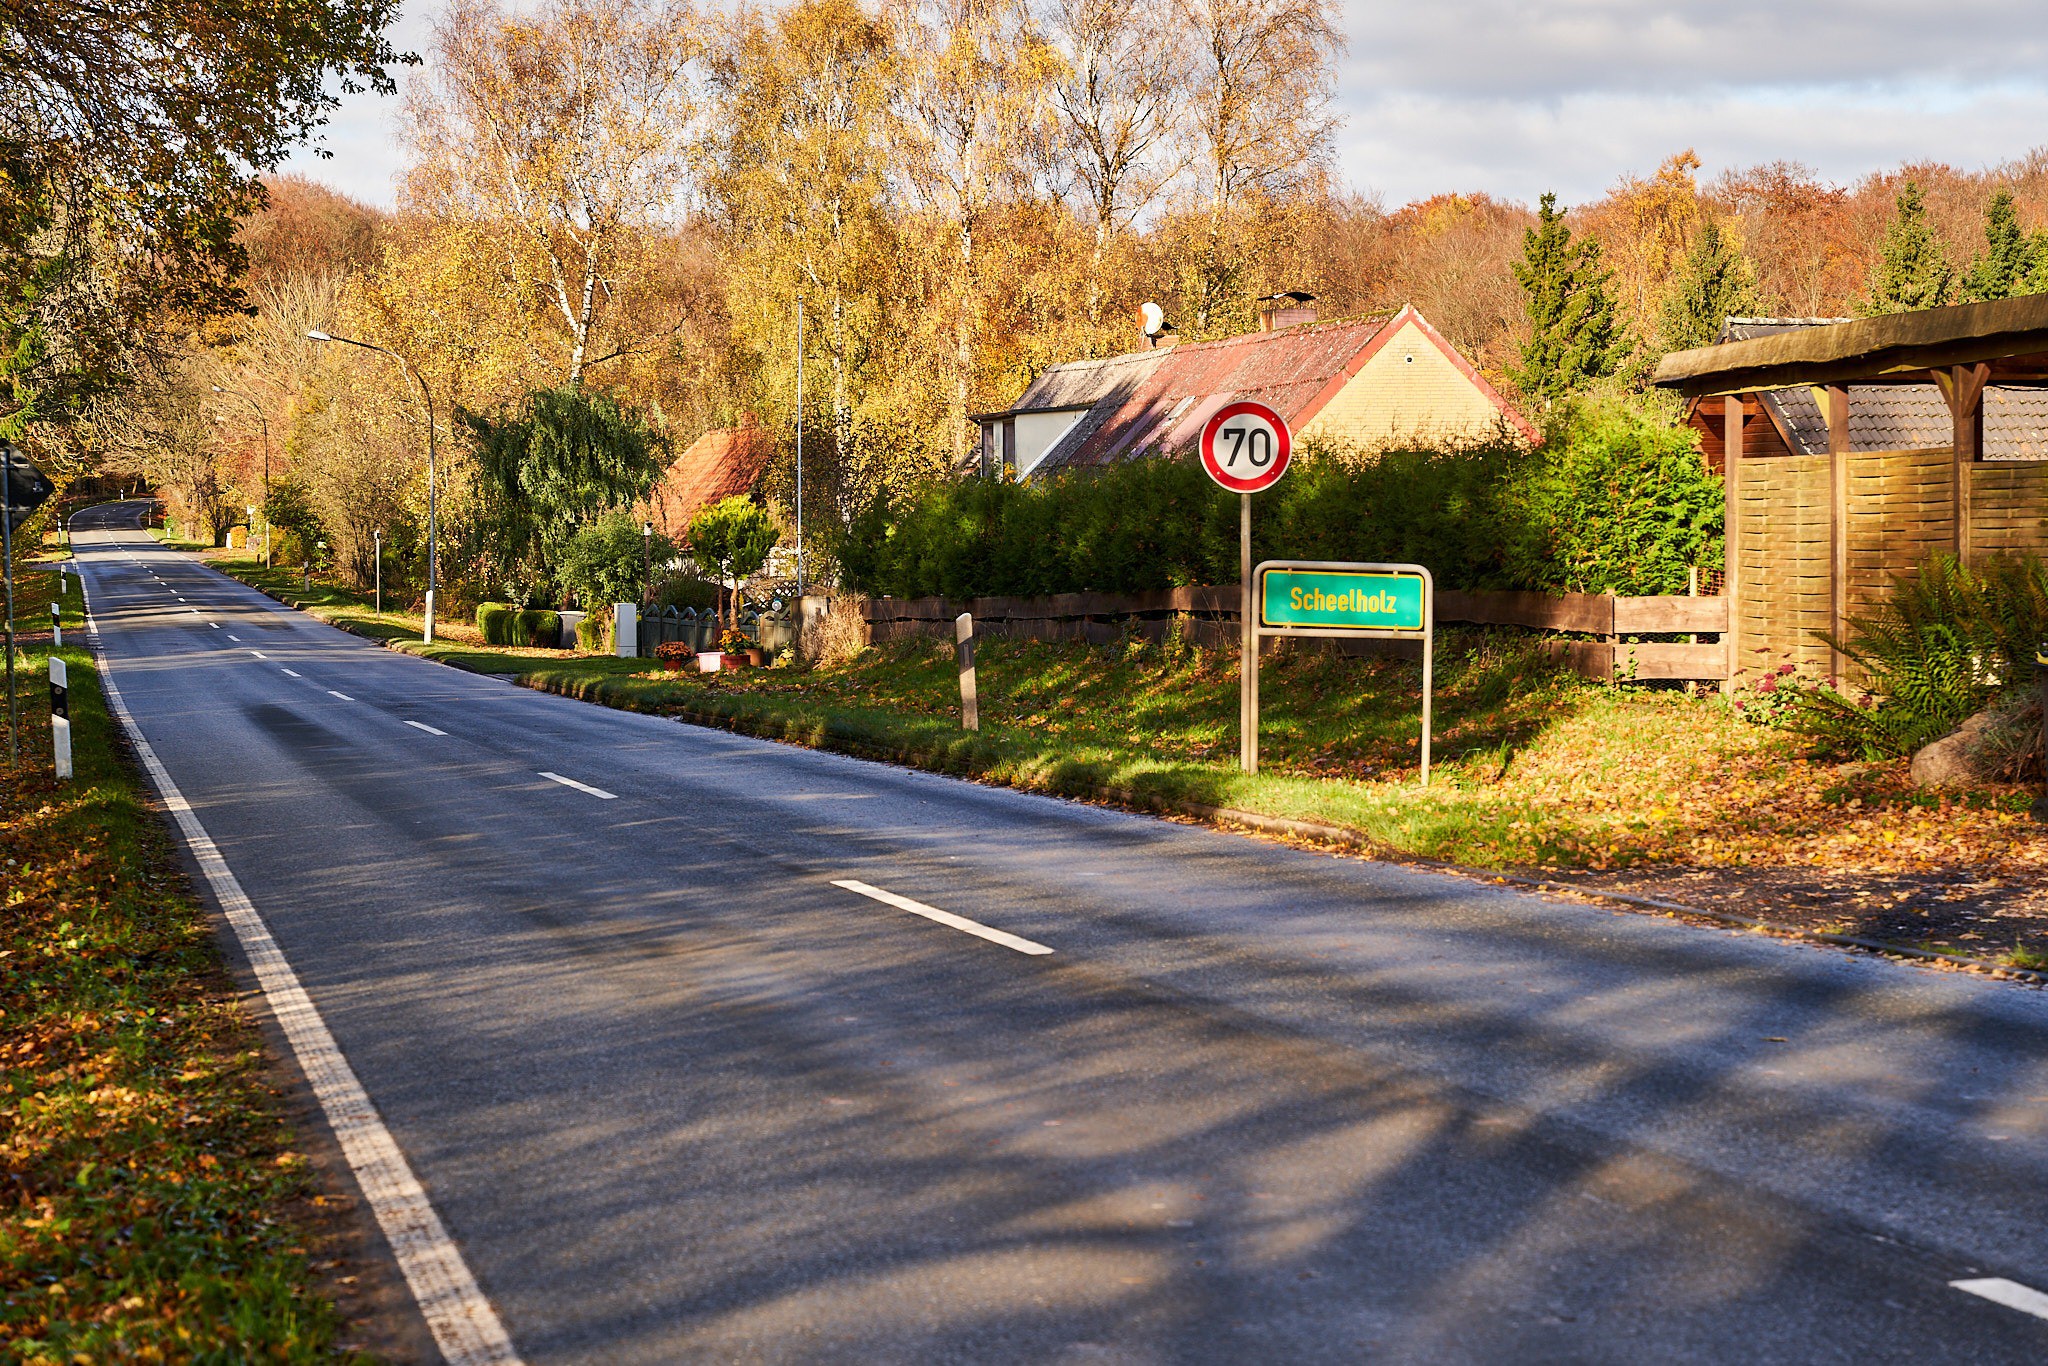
{"x": 1158, "y": 400}
{"x": 717, "y": 465}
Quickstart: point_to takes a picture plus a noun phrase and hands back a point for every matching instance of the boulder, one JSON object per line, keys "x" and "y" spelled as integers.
{"x": 1952, "y": 760}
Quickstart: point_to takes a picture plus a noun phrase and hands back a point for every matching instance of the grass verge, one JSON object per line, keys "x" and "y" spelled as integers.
{"x": 155, "y": 1208}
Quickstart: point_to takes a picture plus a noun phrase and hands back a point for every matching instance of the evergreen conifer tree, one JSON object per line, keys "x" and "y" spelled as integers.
{"x": 1715, "y": 282}
{"x": 2013, "y": 262}
{"x": 1574, "y": 335}
{"x": 1913, "y": 269}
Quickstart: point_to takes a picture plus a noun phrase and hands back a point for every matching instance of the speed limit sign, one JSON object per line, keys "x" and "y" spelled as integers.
{"x": 1245, "y": 447}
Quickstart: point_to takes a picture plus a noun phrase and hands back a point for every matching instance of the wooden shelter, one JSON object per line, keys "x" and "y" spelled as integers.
{"x": 1815, "y": 537}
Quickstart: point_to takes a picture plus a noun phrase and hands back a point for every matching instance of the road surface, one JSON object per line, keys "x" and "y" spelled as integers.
{"x": 711, "y": 1049}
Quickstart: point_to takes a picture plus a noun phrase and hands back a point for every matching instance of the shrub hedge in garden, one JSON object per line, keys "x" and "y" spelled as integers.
{"x": 1616, "y": 499}
{"x": 503, "y": 624}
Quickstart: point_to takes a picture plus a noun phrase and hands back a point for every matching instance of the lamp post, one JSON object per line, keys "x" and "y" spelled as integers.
{"x": 433, "y": 506}
{"x": 264, "y": 419}
{"x": 647, "y": 562}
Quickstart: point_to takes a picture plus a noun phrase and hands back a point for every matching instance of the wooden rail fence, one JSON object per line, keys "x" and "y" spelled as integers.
{"x": 1208, "y": 616}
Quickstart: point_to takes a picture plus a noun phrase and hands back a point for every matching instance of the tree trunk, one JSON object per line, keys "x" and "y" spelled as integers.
{"x": 963, "y": 340}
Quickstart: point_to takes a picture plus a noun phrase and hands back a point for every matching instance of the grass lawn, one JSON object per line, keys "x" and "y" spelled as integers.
{"x": 155, "y": 1208}
{"x": 1643, "y": 789}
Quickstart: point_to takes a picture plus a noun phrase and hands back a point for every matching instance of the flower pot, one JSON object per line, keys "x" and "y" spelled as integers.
{"x": 756, "y": 656}
{"x": 671, "y": 662}
{"x": 708, "y": 661}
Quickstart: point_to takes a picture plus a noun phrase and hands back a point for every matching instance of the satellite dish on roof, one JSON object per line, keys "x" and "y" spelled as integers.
{"x": 1155, "y": 319}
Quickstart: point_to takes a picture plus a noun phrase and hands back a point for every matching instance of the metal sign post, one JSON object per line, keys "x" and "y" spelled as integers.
{"x": 1339, "y": 601}
{"x": 1245, "y": 449}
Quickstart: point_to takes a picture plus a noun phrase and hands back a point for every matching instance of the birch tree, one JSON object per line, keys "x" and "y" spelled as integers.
{"x": 1120, "y": 93}
{"x": 974, "y": 100}
{"x": 797, "y": 171}
{"x": 565, "y": 131}
{"x": 1259, "y": 120}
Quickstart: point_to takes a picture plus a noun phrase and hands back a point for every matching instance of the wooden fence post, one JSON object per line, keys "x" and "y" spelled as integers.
{"x": 1963, "y": 387}
{"x": 1731, "y": 534}
{"x": 1838, "y": 521}
{"x": 963, "y": 649}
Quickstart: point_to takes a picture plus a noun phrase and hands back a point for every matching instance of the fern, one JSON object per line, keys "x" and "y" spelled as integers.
{"x": 1943, "y": 644}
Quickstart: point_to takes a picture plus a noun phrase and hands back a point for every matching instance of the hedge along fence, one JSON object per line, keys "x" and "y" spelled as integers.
{"x": 1208, "y": 616}
{"x": 503, "y": 624}
{"x": 1617, "y": 500}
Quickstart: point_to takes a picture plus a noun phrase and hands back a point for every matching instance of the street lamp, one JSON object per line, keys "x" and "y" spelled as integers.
{"x": 647, "y": 562}
{"x": 265, "y": 420}
{"x": 433, "y": 506}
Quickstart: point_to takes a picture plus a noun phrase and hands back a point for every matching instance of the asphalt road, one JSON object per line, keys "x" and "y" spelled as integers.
{"x": 680, "y": 1096}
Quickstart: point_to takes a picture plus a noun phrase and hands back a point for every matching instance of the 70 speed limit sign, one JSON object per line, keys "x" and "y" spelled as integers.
{"x": 1245, "y": 447}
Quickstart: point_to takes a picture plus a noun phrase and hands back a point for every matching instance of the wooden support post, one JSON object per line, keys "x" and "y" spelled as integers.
{"x": 1731, "y": 575}
{"x": 963, "y": 650}
{"x": 1963, "y": 387}
{"x": 1838, "y": 523}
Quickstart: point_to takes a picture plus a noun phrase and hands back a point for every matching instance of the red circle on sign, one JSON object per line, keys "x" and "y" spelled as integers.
{"x": 1246, "y": 446}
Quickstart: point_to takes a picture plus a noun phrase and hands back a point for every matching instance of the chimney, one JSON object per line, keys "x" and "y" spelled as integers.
{"x": 1289, "y": 308}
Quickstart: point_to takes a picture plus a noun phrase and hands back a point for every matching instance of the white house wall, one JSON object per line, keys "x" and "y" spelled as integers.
{"x": 1038, "y": 433}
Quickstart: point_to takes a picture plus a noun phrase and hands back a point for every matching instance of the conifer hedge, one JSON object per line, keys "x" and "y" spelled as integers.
{"x": 1617, "y": 499}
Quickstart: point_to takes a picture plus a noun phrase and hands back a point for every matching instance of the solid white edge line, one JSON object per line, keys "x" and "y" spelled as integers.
{"x": 421, "y": 725}
{"x": 581, "y": 787}
{"x": 342, "y": 695}
{"x": 2011, "y": 1294}
{"x": 958, "y": 922}
{"x": 465, "y": 1326}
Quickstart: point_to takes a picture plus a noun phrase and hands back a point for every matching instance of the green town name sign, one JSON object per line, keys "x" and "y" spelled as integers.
{"x": 1343, "y": 601}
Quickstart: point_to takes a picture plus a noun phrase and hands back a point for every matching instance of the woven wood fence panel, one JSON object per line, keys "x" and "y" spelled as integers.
{"x": 2008, "y": 504}
{"x": 1785, "y": 566}
{"x": 1901, "y": 510}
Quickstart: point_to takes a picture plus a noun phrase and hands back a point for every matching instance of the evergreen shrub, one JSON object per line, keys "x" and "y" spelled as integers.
{"x": 1616, "y": 500}
{"x": 504, "y": 625}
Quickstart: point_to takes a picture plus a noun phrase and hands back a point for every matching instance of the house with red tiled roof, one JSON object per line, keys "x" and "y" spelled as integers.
{"x": 1368, "y": 383}
{"x": 722, "y": 462}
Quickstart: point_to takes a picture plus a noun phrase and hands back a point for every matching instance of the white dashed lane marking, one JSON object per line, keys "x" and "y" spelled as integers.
{"x": 259, "y": 654}
{"x": 958, "y": 922}
{"x": 421, "y": 725}
{"x": 342, "y": 695}
{"x": 581, "y": 787}
{"x": 294, "y": 673}
{"x": 2011, "y": 1294}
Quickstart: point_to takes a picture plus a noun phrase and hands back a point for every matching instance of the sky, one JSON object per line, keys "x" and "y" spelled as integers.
{"x": 1516, "y": 97}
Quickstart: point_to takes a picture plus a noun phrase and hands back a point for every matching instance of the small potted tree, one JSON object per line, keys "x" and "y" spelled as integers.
{"x": 731, "y": 541}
